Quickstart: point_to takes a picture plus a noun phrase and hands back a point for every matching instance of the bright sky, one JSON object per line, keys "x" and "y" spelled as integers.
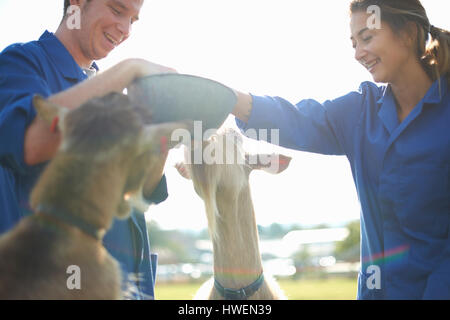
{"x": 290, "y": 48}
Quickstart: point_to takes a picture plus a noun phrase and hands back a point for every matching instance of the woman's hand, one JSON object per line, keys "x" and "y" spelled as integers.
{"x": 142, "y": 68}
{"x": 243, "y": 106}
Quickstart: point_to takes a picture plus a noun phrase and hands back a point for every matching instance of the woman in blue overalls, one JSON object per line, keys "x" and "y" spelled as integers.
{"x": 397, "y": 139}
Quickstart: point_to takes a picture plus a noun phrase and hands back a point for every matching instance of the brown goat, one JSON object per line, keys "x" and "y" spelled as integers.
{"x": 106, "y": 151}
{"x": 225, "y": 190}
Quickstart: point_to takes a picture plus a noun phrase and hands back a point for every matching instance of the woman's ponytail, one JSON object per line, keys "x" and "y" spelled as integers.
{"x": 437, "y": 53}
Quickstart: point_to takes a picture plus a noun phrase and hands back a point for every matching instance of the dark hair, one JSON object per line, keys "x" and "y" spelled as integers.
{"x": 433, "y": 52}
{"x": 66, "y": 6}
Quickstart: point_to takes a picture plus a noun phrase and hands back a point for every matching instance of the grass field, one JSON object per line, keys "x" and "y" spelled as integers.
{"x": 317, "y": 289}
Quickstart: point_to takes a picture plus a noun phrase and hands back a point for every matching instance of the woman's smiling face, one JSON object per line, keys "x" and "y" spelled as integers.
{"x": 385, "y": 54}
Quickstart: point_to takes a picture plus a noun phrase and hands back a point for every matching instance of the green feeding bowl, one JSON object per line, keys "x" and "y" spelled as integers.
{"x": 175, "y": 97}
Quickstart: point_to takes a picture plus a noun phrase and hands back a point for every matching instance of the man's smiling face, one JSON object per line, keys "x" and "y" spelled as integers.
{"x": 105, "y": 24}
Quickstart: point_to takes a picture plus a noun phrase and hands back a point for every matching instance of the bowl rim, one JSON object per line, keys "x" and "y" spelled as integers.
{"x": 183, "y": 75}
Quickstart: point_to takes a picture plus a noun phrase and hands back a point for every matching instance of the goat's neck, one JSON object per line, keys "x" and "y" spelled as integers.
{"x": 237, "y": 261}
{"x": 90, "y": 191}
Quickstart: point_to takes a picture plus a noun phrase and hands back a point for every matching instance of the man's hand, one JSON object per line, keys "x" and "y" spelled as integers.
{"x": 116, "y": 79}
{"x": 142, "y": 68}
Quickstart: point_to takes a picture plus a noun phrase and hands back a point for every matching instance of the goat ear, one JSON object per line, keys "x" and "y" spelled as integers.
{"x": 272, "y": 163}
{"x": 49, "y": 112}
{"x": 160, "y": 138}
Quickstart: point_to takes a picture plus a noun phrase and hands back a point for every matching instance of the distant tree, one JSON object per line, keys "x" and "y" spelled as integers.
{"x": 321, "y": 226}
{"x": 294, "y": 227}
{"x": 302, "y": 261}
{"x": 277, "y": 230}
{"x": 349, "y": 248}
{"x": 203, "y": 234}
{"x": 273, "y": 231}
{"x": 302, "y": 258}
{"x": 156, "y": 234}
{"x": 171, "y": 240}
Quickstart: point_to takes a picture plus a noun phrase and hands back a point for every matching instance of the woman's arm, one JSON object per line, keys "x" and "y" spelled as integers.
{"x": 312, "y": 126}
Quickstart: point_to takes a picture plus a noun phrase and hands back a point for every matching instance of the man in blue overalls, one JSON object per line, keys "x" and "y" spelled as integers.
{"x": 61, "y": 67}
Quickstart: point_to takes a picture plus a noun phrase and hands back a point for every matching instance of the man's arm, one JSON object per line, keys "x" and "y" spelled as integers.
{"x": 41, "y": 145}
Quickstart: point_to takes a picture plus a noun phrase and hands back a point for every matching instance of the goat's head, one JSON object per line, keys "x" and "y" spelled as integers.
{"x": 110, "y": 131}
{"x": 225, "y": 168}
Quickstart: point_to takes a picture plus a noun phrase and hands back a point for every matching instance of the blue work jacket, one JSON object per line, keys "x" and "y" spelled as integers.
{"x": 401, "y": 174}
{"x": 45, "y": 67}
